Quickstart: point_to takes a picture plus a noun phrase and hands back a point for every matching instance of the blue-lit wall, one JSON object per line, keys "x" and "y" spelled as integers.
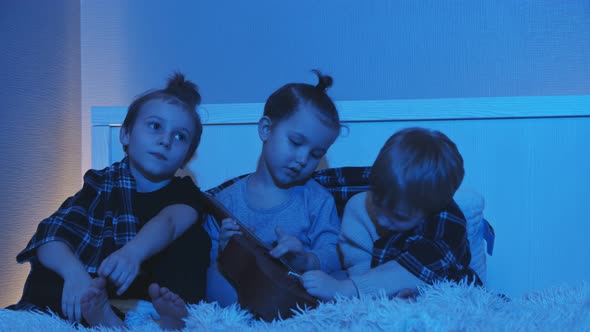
{"x": 40, "y": 130}
{"x": 240, "y": 51}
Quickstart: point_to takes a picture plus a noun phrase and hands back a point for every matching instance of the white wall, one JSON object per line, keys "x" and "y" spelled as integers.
{"x": 39, "y": 123}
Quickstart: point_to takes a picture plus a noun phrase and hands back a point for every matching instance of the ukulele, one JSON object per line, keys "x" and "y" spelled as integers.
{"x": 268, "y": 287}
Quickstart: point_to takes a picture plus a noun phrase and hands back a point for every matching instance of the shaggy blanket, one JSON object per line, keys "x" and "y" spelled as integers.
{"x": 442, "y": 307}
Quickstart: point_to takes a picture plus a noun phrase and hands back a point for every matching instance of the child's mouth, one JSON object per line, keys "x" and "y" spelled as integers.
{"x": 159, "y": 155}
{"x": 293, "y": 172}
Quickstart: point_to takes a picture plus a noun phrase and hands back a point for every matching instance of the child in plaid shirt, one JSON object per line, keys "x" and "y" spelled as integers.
{"x": 406, "y": 230}
{"x": 99, "y": 244}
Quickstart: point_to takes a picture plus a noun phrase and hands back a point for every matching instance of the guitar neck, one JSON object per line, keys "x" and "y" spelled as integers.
{"x": 220, "y": 212}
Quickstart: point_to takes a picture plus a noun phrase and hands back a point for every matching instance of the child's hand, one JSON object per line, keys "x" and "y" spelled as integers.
{"x": 325, "y": 287}
{"x": 75, "y": 285}
{"x": 286, "y": 243}
{"x": 229, "y": 228}
{"x": 121, "y": 267}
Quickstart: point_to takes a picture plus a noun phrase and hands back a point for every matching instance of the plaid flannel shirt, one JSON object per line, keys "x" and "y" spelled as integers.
{"x": 437, "y": 249}
{"x": 99, "y": 215}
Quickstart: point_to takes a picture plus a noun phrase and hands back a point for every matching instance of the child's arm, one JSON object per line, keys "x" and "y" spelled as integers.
{"x": 122, "y": 266}
{"x": 355, "y": 259}
{"x": 61, "y": 243}
{"x": 325, "y": 287}
{"x": 324, "y": 227}
{"x": 58, "y": 257}
{"x": 390, "y": 277}
{"x": 357, "y": 235}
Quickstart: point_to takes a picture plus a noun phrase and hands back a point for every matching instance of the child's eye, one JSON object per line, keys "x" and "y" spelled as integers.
{"x": 317, "y": 155}
{"x": 180, "y": 137}
{"x": 154, "y": 125}
{"x": 295, "y": 142}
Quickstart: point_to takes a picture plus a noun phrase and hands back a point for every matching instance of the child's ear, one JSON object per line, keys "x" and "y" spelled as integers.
{"x": 264, "y": 127}
{"x": 124, "y": 136}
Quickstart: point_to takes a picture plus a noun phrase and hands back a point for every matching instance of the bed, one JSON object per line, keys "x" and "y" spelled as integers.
{"x": 443, "y": 307}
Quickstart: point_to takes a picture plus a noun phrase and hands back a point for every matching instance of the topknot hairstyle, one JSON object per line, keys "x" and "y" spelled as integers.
{"x": 287, "y": 99}
{"x": 184, "y": 90}
{"x": 324, "y": 81}
{"x": 178, "y": 91}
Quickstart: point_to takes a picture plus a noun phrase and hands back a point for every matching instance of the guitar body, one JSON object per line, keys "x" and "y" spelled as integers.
{"x": 262, "y": 282}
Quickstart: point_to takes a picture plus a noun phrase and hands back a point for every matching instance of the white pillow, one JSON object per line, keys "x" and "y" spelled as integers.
{"x": 472, "y": 204}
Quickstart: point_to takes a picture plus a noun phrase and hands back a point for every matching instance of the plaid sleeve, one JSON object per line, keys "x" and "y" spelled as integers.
{"x": 343, "y": 183}
{"x": 216, "y": 190}
{"x": 69, "y": 223}
{"x": 437, "y": 250}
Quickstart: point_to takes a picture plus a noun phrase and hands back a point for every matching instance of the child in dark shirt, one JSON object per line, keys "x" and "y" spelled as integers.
{"x": 99, "y": 244}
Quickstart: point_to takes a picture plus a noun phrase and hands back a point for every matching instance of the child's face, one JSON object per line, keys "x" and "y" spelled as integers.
{"x": 399, "y": 219}
{"x": 294, "y": 146}
{"x": 159, "y": 142}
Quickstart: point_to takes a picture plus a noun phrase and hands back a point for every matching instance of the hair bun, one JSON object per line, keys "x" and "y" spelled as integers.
{"x": 183, "y": 89}
{"x": 324, "y": 81}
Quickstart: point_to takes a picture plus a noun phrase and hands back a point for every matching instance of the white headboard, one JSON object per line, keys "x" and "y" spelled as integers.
{"x": 528, "y": 156}
{"x": 230, "y": 145}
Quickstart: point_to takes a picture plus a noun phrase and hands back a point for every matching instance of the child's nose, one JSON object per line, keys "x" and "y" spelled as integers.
{"x": 164, "y": 140}
{"x": 302, "y": 158}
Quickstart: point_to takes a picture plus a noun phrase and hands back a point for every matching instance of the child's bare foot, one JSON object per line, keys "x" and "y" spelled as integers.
{"x": 170, "y": 306}
{"x": 95, "y": 305}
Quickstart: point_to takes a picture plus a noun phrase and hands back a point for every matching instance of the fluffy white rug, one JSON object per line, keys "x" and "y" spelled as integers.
{"x": 442, "y": 307}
